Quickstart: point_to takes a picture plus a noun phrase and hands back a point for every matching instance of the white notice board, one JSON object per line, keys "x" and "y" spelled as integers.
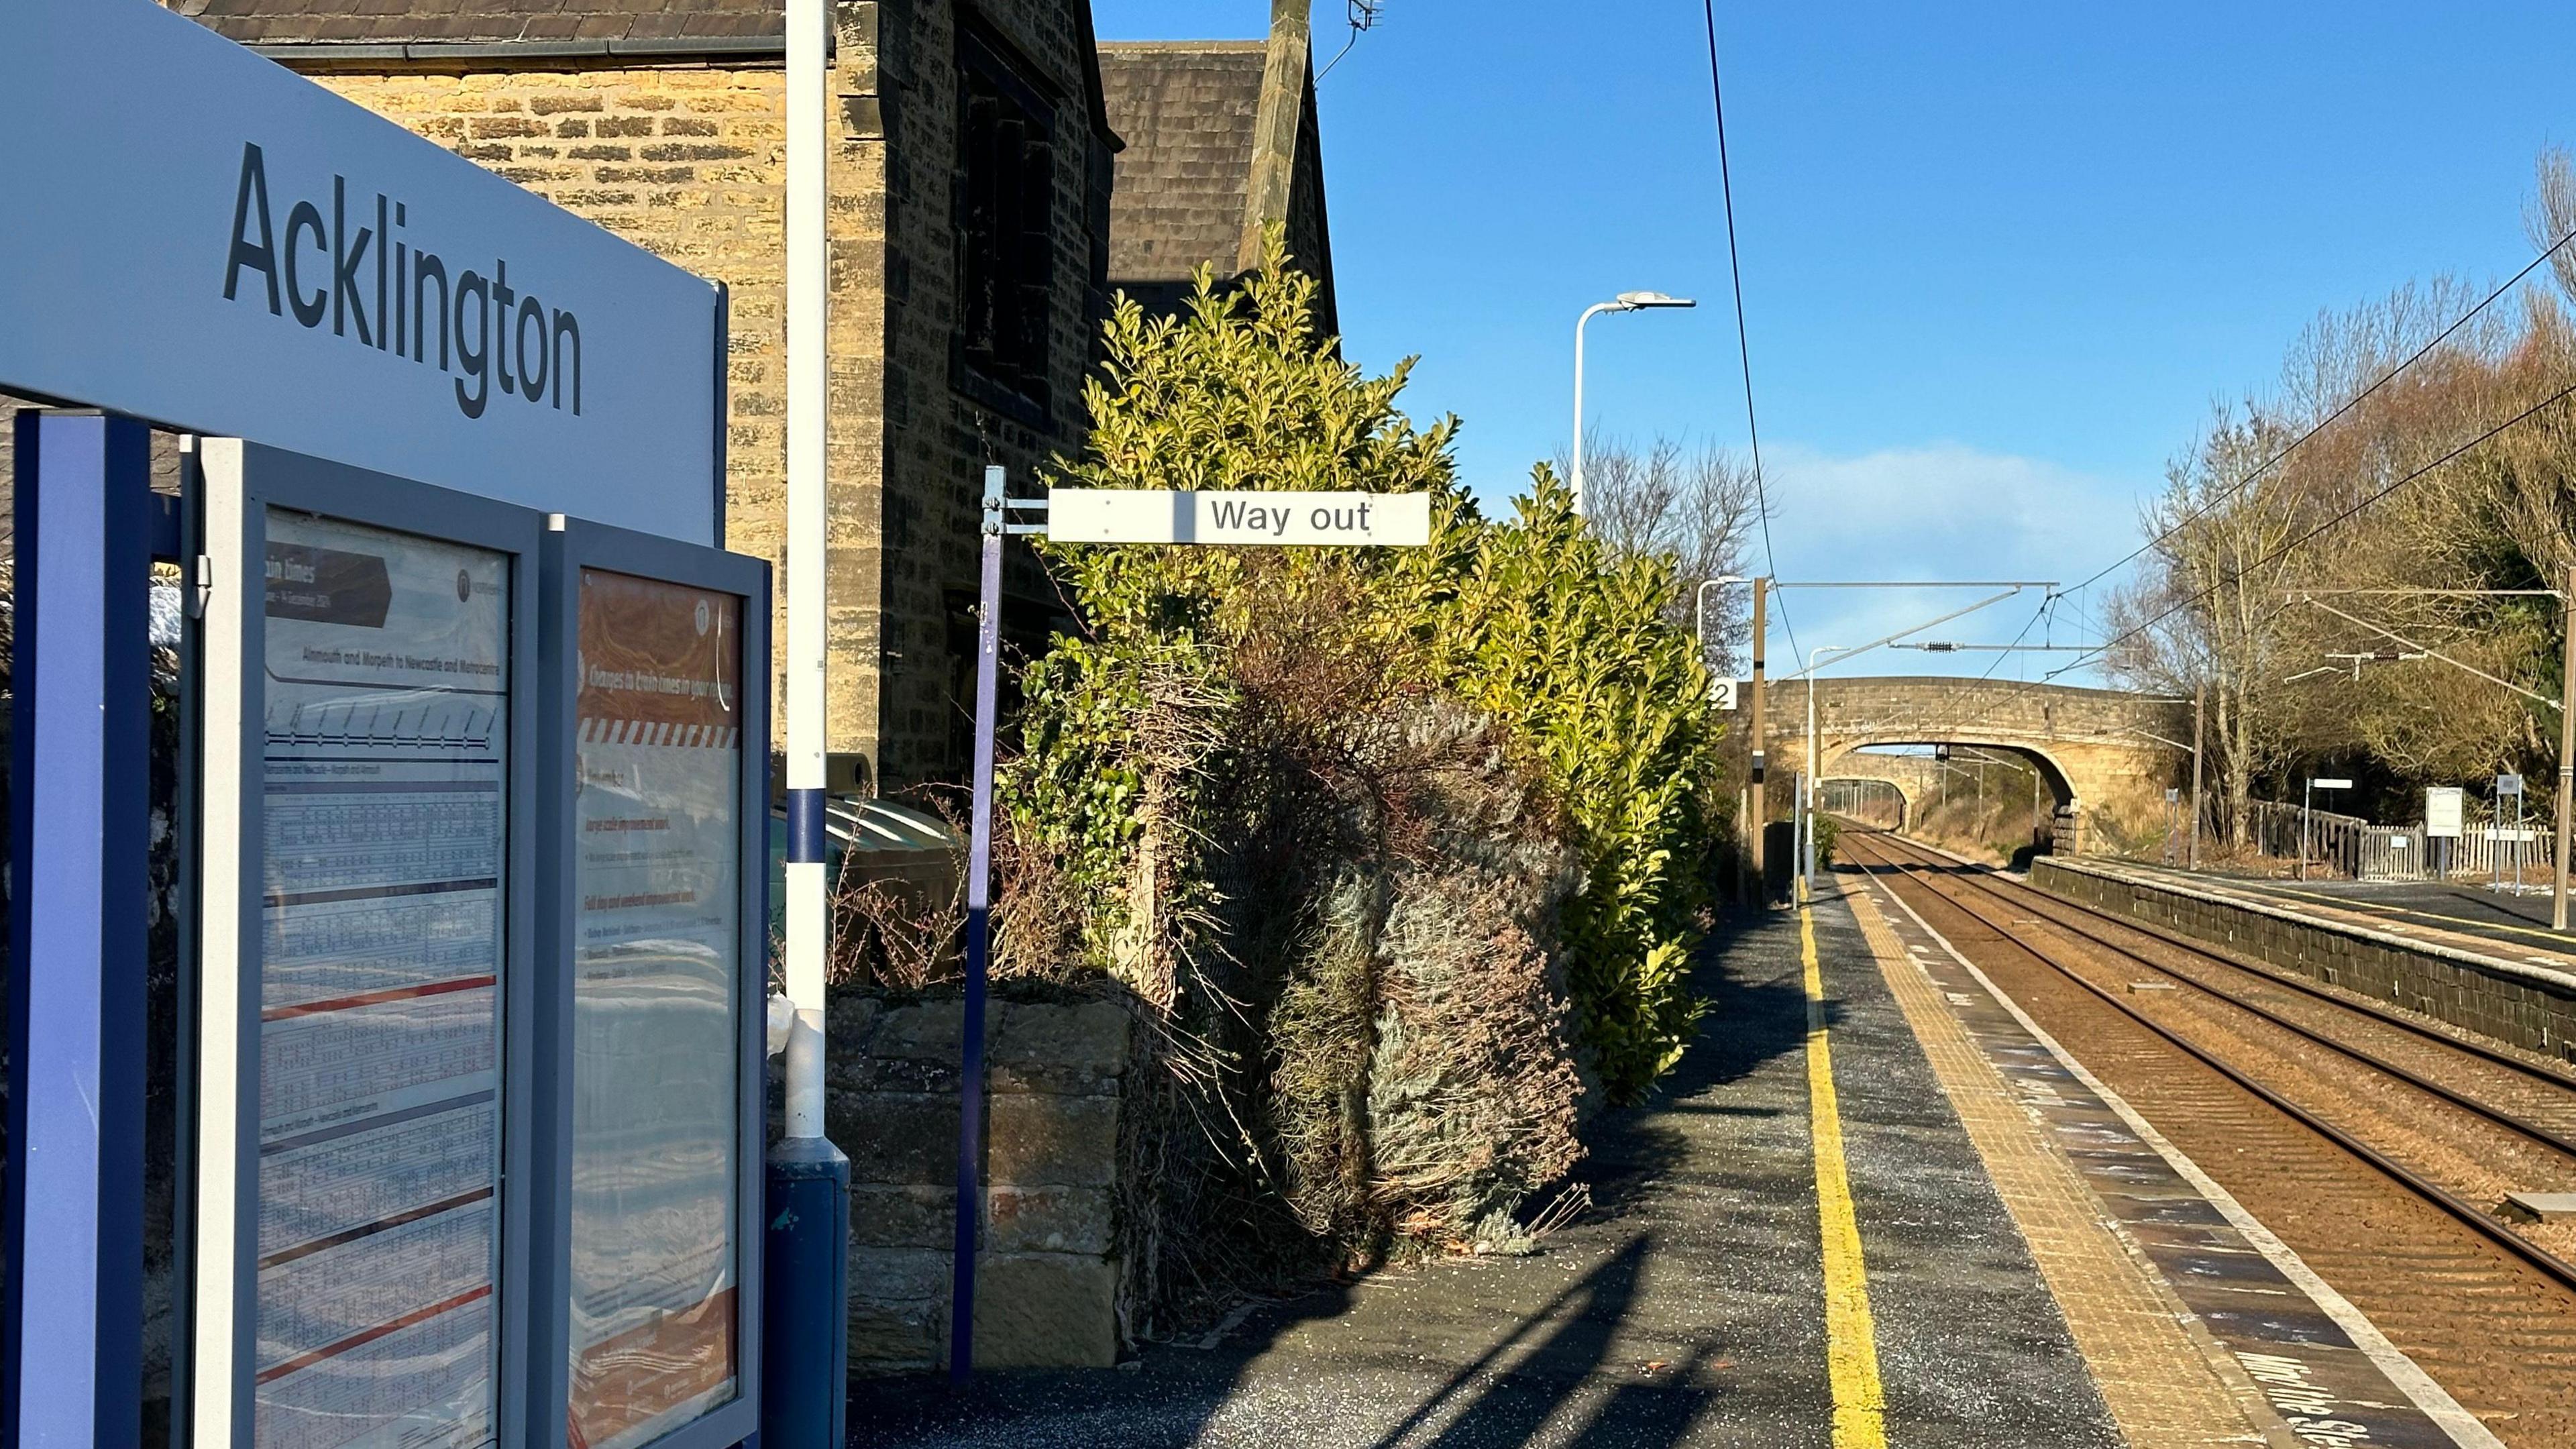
{"x": 2442, "y": 812}
{"x": 363, "y": 954}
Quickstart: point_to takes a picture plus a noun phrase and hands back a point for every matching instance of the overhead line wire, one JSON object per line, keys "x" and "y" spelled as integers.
{"x": 1743, "y": 351}
{"x": 2276, "y": 553}
{"x": 2203, "y": 508}
{"x": 2340, "y": 517}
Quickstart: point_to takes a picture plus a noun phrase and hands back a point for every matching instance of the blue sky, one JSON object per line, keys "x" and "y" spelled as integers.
{"x": 1999, "y": 259}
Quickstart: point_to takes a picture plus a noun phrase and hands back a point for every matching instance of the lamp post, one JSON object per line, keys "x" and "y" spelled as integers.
{"x": 1624, "y": 302}
{"x": 805, "y": 1243}
{"x": 1699, "y": 607}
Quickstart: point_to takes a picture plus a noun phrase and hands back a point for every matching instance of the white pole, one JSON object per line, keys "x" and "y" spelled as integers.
{"x": 1807, "y": 797}
{"x": 2307, "y": 809}
{"x": 1589, "y": 313}
{"x": 808, "y": 276}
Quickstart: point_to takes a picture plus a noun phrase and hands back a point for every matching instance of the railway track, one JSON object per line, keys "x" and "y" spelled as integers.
{"x": 2377, "y": 1145}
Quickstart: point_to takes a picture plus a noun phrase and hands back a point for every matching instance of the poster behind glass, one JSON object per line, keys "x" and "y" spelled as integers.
{"x": 384, "y": 838}
{"x": 657, "y": 983}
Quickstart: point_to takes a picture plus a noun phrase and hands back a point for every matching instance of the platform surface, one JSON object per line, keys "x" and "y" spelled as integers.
{"x": 2466, "y": 914}
{"x": 2003, "y": 1306}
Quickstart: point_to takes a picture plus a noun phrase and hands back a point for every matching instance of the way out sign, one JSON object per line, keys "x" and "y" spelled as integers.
{"x": 1158, "y": 515}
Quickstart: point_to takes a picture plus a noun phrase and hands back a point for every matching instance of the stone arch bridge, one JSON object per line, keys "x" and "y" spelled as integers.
{"x": 2106, "y": 756}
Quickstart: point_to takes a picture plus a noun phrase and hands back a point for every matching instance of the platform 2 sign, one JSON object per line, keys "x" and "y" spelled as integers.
{"x": 1239, "y": 517}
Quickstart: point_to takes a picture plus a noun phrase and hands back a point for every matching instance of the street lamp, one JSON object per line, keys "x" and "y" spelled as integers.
{"x": 1699, "y": 606}
{"x": 1624, "y": 302}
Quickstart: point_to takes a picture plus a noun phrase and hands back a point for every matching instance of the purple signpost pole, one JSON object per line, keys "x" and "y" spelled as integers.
{"x": 979, "y": 940}
{"x": 71, "y": 1324}
{"x": 979, "y": 926}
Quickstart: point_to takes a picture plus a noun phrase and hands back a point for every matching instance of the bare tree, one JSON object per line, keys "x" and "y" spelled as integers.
{"x": 1695, "y": 509}
{"x": 2208, "y": 608}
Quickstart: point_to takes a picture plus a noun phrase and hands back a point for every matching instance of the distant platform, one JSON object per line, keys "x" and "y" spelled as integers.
{"x": 2519, "y": 920}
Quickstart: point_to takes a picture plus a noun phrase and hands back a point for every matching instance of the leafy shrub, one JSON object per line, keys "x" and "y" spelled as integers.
{"x": 1403, "y": 845}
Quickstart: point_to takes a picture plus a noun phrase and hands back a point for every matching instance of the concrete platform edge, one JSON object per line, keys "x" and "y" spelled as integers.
{"x": 2229, "y": 1378}
{"x": 2402, "y": 1372}
{"x": 2561, "y": 982}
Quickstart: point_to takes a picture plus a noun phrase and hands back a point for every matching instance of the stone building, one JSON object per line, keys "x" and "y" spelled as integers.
{"x": 999, "y": 175}
{"x": 1221, "y": 143}
{"x": 969, "y": 224}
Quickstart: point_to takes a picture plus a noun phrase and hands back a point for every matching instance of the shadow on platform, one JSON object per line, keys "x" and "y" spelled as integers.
{"x": 1550, "y": 1378}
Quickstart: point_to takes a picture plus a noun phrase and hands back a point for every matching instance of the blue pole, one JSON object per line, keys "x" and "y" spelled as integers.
{"x": 805, "y": 1247}
{"x": 979, "y": 929}
{"x": 71, "y": 1323}
{"x": 805, "y": 1250}
{"x": 804, "y": 1305}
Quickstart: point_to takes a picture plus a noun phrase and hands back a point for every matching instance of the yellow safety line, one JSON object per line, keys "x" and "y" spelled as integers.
{"x": 1851, "y": 1339}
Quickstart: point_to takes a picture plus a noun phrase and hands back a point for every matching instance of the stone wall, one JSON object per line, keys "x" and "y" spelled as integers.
{"x": 1048, "y": 1282}
{"x": 2094, "y": 747}
{"x": 938, "y": 433}
{"x": 689, "y": 162}
{"x": 2527, "y": 1006}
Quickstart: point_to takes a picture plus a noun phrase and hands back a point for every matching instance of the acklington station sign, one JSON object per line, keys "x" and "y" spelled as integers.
{"x": 212, "y": 243}
{"x": 472, "y": 784}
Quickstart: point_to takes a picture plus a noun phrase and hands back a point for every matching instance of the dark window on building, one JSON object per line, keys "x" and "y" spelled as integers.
{"x": 1006, "y": 209}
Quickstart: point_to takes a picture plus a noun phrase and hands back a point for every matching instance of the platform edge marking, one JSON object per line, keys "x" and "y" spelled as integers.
{"x": 2140, "y": 1422}
{"x": 2409, "y": 1377}
{"x": 1851, "y": 1335}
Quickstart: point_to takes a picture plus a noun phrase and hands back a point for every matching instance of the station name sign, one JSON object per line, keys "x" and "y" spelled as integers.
{"x": 217, "y": 245}
{"x": 396, "y": 314}
{"x": 1156, "y": 515}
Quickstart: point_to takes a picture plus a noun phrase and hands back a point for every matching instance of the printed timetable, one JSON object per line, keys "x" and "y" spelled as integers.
{"x": 383, "y": 949}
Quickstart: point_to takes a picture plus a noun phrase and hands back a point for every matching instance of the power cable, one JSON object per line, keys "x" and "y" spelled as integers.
{"x": 2274, "y": 555}
{"x": 2206, "y": 506}
{"x": 2202, "y": 509}
{"x": 1743, "y": 351}
{"x": 2342, "y": 516}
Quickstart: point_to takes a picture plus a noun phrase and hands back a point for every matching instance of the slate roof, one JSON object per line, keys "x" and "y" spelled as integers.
{"x": 1187, "y": 111}
{"x": 391, "y": 22}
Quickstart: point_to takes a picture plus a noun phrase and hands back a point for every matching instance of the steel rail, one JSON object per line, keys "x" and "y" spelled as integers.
{"x": 2375, "y": 1012}
{"x": 2499, "y": 1116}
{"x": 2549, "y": 1264}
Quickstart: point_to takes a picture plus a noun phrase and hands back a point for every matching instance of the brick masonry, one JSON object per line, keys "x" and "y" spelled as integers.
{"x": 1048, "y": 1291}
{"x": 2094, "y": 747}
{"x": 2511, "y": 1002}
{"x": 689, "y": 161}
